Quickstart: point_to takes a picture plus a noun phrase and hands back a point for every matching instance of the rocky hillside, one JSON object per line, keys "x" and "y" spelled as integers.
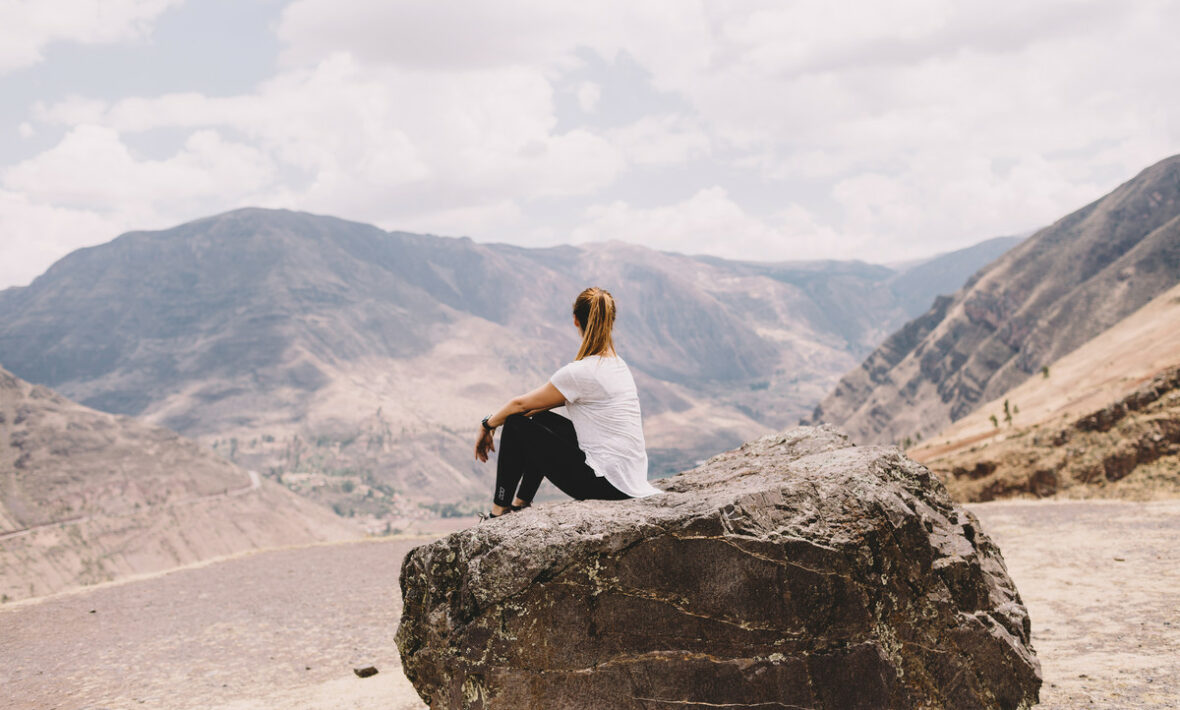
{"x": 798, "y": 571}
{"x": 1041, "y": 300}
{"x": 87, "y": 497}
{"x": 1103, "y": 421}
{"x": 1128, "y": 449}
{"x": 308, "y": 346}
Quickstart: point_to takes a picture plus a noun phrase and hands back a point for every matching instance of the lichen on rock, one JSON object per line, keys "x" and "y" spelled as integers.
{"x": 797, "y": 571}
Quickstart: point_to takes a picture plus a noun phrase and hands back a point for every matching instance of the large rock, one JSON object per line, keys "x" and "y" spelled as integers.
{"x": 798, "y": 571}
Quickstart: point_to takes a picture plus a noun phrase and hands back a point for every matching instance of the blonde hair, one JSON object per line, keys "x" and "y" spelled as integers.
{"x": 595, "y": 310}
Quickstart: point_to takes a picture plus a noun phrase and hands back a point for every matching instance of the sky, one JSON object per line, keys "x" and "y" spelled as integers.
{"x": 795, "y": 129}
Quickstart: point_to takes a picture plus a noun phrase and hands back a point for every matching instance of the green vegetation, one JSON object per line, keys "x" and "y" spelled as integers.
{"x": 995, "y": 422}
{"x": 1007, "y": 413}
{"x": 1045, "y": 372}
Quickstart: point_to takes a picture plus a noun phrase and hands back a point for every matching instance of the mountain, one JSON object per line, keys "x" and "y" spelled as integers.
{"x": 916, "y": 285}
{"x": 1039, "y": 301}
{"x": 1103, "y": 421}
{"x": 307, "y": 346}
{"x": 87, "y": 497}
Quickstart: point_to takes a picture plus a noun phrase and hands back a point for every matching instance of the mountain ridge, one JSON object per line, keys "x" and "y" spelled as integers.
{"x": 259, "y": 324}
{"x": 1039, "y": 301}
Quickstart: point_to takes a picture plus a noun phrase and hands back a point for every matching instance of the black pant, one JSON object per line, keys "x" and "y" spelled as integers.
{"x": 545, "y": 446}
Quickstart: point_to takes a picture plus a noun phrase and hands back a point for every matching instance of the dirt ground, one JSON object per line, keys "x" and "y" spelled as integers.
{"x": 1101, "y": 580}
{"x": 279, "y": 630}
{"x": 283, "y": 629}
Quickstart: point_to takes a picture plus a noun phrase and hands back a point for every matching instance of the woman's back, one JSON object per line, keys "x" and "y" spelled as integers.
{"x": 603, "y": 403}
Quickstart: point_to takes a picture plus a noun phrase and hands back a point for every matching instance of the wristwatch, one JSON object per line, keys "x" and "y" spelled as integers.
{"x": 486, "y": 426}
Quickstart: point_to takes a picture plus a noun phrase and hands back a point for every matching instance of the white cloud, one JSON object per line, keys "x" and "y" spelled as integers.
{"x": 28, "y": 26}
{"x": 708, "y": 222}
{"x": 589, "y": 94}
{"x": 91, "y": 168}
{"x": 828, "y": 128}
{"x": 662, "y": 140}
{"x": 91, "y": 187}
{"x": 402, "y": 148}
{"x": 36, "y": 235}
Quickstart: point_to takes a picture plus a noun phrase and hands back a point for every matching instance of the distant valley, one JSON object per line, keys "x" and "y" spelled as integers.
{"x": 353, "y": 364}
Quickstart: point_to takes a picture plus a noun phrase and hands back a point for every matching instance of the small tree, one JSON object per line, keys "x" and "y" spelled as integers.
{"x": 1045, "y": 372}
{"x": 995, "y": 422}
{"x": 1007, "y": 413}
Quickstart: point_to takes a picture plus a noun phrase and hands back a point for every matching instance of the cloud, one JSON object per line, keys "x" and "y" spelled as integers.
{"x": 28, "y": 26}
{"x": 588, "y": 95}
{"x": 91, "y": 186}
{"x": 402, "y": 148}
{"x": 762, "y": 129}
{"x": 708, "y": 222}
{"x": 36, "y": 235}
{"x": 662, "y": 140}
{"x": 91, "y": 168}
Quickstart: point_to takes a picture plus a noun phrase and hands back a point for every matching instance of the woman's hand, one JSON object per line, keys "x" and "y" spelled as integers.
{"x": 484, "y": 444}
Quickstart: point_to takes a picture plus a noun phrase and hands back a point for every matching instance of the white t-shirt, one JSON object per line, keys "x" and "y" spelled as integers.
{"x": 603, "y": 404}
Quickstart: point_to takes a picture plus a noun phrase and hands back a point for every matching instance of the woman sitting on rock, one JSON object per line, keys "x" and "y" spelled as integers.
{"x": 599, "y": 451}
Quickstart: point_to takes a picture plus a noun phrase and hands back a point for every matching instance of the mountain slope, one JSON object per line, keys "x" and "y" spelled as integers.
{"x": 1105, "y": 421}
{"x": 299, "y": 344}
{"x": 1044, "y": 298}
{"x": 87, "y": 496}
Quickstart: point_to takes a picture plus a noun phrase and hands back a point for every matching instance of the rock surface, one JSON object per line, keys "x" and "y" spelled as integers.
{"x": 797, "y": 571}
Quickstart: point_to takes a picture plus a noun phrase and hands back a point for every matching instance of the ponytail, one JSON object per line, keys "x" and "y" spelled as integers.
{"x": 595, "y": 310}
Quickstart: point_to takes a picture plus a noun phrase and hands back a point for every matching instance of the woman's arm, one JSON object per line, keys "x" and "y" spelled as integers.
{"x": 541, "y": 399}
{"x": 544, "y": 397}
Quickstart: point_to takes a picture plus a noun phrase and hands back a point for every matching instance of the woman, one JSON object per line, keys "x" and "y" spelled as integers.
{"x": 599, "y": 451}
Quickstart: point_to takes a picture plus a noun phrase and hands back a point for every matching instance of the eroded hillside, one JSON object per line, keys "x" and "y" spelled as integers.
{"x": 1129, "y": 449}
{"x": 87, "y": 497}
{"x": 1041, "y": 300}
{"x": 1101, "y": 421}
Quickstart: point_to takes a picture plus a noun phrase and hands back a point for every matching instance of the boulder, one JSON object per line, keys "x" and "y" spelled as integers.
{"x": 798, "y": 571}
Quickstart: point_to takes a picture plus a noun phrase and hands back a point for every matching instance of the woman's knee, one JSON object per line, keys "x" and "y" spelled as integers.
{"x": 514, "y": 426}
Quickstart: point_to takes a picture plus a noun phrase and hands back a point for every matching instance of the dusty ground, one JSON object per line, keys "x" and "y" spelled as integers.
{"x": 278, "y": 630}
{"x": 283, "y": 629}
{"x": 1101, "y": 580}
